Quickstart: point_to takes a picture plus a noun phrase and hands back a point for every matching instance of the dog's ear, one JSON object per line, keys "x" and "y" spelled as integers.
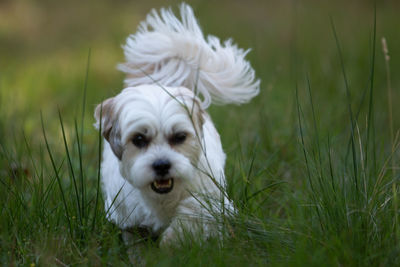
{"x": 106, "y": 117}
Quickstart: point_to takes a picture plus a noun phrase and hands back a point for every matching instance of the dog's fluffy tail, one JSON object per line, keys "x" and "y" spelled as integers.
{"x": 174, "y": 52}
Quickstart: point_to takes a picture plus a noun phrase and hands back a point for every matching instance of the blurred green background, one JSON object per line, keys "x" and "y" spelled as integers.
{"x": 44, "y": 49}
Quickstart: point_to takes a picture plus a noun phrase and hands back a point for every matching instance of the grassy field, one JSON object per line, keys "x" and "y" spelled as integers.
{"x": 313, "y": 164}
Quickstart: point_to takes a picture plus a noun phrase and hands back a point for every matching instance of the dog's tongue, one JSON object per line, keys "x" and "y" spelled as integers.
{"x": 163, "y": 186}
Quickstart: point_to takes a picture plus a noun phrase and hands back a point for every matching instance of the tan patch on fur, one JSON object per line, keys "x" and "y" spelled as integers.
{"x": 109, "y": 125}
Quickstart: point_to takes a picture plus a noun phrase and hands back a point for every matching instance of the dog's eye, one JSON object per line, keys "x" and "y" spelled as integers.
{"x": 140, "y": 141}
{"x": 178, "y": 138}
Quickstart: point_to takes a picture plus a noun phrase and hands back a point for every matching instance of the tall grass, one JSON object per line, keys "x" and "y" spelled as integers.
{"x": 352, "y": 198}
{"x": 51, "y": 206}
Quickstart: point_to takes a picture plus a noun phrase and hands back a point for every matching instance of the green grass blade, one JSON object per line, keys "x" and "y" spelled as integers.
{"x": 56, "y": 172}
{"x": 71, "y": 168}
{"x": 81, "y": 173}
{"x": 348, "y": 97}
{"x": 314, "y": 192}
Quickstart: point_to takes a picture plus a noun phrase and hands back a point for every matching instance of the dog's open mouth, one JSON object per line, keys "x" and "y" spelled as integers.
{"x": 162, "y": 186}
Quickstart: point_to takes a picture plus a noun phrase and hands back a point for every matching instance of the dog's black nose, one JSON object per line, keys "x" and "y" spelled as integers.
{"x": 161, "y": 166}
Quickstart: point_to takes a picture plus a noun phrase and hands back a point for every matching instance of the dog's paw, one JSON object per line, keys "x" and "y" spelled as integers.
{"x": 168, "y": 238}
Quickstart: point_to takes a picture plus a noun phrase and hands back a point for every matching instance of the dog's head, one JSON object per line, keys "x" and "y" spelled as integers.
{"x": 155, "y": 132}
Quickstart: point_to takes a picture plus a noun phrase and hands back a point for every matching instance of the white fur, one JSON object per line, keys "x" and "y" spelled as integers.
{"x": 166, "y": 59}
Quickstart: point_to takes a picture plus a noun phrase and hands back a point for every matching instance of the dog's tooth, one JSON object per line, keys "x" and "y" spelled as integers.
{"x": 161, "y": 185}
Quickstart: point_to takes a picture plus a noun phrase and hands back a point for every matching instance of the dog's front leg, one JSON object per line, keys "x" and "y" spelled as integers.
{"x": 192, "y": 220}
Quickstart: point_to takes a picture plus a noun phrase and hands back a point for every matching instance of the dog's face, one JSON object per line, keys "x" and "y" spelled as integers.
{"x": 155, "y": 133}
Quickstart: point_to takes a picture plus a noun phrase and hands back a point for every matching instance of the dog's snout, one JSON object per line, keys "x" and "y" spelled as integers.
{"x": 161, "y": 166}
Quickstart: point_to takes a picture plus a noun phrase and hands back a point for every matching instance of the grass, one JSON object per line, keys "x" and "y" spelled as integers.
{"x": 312, "y": 161}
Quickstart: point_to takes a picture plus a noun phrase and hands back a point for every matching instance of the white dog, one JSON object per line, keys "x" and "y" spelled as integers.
{"x": 163, "y": 163}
